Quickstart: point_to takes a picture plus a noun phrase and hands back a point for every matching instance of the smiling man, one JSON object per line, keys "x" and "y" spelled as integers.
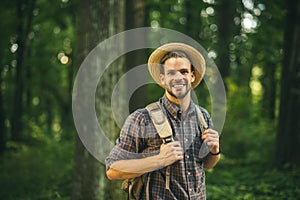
{"x": 173, "y": 170}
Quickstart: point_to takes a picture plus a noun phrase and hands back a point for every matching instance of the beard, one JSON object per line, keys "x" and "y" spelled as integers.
{"x": 181, "y": 94}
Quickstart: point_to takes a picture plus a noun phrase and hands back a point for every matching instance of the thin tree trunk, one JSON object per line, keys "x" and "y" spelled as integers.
{"x": 193, "y": 23}
{"x": 2, "y": 114}
{"x": 269, "y": 84}
{"x": 23, "y": 28}
{"x": 288, "y": 135}
{"x": 225, "y": 10}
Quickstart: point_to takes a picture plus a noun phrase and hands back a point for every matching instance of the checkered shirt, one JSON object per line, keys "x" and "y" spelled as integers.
{"x": 139, "y": 138}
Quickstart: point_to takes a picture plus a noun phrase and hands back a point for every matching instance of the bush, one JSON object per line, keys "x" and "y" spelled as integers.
{"x": 247, "y": 179}
{"x": 37, "y": 172}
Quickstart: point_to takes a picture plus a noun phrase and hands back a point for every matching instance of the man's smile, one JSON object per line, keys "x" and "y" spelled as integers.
{"x": 178, "y": 86}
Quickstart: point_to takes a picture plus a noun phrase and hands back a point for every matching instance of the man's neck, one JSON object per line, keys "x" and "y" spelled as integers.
{"x": 182, "y": 103}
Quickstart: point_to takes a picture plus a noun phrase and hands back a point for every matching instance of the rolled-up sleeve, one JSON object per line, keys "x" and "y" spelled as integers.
{"x": 130, "y": 141}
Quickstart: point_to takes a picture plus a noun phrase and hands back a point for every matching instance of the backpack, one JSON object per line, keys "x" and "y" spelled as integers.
{"x": 133, "y": 186}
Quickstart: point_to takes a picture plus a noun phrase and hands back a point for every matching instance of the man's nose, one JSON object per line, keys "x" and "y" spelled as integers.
{"x": 178, "y": 76}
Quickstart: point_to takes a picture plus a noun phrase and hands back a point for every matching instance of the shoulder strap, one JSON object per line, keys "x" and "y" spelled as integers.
{"x": 203, "y": 124}
{"x": 163, "y": 129}
{"x": 160, "y": 122}
{"x": 204, "y": 150}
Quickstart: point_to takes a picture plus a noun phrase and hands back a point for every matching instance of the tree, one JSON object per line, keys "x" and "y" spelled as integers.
{"x": 136, "y": 18}
{"x": 225, "y": 23}
{"x": 268, "y": 57}
{"x": 6, "y": 58}
{"x": 193, "y": 20}
{"x": 24, "y": 26}
{"x": 2, "y": 124}
{"x": 97, "y": 20}
{"x": 288, "y": 137}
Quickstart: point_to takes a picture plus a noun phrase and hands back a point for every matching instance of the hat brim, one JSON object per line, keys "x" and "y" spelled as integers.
{"x": 194, "y": 55}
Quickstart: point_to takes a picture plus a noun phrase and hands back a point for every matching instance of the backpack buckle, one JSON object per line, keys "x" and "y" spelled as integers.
{"x": 167, "y": 139}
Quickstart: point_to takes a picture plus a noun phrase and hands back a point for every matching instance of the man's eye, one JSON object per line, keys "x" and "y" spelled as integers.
{"x": 171, "y": 73}
{"x": 184, "y": 72}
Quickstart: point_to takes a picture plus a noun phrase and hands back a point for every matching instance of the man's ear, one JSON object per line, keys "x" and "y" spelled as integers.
{"x": 162, "y": 78}
{"x": 193, "y": 76}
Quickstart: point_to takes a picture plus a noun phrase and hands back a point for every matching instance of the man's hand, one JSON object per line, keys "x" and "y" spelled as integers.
{"x": 122, "y": 169}
{"x": 170, "y": 153}
{"x": 211, "y": 138}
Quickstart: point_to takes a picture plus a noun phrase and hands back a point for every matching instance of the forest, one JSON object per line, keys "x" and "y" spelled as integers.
{"x": 46, "y": 151}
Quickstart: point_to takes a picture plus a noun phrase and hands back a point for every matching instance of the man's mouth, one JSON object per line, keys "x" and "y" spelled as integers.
{"x": 178, "y": 86}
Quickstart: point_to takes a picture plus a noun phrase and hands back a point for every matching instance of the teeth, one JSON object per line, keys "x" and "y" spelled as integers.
{"x": 177, "y": 86}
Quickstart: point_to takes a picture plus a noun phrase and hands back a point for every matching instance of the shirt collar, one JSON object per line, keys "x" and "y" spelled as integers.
{"x": 174, "y": 109}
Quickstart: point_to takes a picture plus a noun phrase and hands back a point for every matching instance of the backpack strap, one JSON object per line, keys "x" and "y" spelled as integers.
{"x": 204, "y": 150}
{"x": 163, "y": 129}
{"x": 147, "y": 188}
{"x": 160, "y": 122}
{"x": 202, "y": 122}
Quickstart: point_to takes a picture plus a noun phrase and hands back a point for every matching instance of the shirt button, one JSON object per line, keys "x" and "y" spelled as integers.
{"x": 186, "y": 140}
{"x": 187, "y": 156}
{"x": 189, "y": 173}
{"x": 190, "y": 189}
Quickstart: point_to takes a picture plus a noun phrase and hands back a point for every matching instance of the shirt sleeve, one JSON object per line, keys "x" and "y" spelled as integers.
{"x": 130, "y": 142}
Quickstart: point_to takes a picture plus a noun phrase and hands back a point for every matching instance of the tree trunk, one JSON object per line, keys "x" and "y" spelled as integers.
{"x": 193, "y": 21}
{"x": 288, "y": 135}
{"x": 97, "y": 21}
{"x": 135, "y": 18}
{"x": 2, "y": 118}
{"x": 23, "y": 28}
{"x": 269, "y": 85}
{"x": 225, "y": 11}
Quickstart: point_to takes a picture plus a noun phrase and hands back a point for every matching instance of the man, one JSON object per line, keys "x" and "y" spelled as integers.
{"x": 178, "y": 68}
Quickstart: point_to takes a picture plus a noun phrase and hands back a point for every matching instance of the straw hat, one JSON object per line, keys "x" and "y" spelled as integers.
{"x": 195, "y": 56}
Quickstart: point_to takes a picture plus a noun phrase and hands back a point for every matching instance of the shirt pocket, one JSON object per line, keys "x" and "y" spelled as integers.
{"x": 153, "y": 144}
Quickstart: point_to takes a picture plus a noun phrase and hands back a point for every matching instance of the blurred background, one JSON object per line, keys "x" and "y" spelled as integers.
{"x": 254, "y": 43}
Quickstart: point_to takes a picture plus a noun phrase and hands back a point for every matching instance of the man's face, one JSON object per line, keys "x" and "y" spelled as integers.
{"x": 177, "y": 77}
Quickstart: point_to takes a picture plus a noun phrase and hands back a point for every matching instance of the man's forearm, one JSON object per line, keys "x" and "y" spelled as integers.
{"x": 123, "y": 169}
{"x": 169, "y": 153}
{"x": 210, "y": 161}
{"x": 113, "y": 174}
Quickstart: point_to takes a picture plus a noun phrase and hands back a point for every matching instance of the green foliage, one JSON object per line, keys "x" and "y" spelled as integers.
{"x": 41, "y": 166}
{"x": 250, "y": 179}
{"x": 247, "y": 133}
{"x": 41, "y": 171}
{"x": 245, "y": 171}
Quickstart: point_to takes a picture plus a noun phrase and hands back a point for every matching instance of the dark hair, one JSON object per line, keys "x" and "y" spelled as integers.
{"x": 174, "y": 54}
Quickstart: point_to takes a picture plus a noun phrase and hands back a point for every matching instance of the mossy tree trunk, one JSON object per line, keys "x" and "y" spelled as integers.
{"x": 97, "y": 21}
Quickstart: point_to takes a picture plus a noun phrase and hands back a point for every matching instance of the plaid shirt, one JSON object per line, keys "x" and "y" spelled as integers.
{"x": 138, "y": 138}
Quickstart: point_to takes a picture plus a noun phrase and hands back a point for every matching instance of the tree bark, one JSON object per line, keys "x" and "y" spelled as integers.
{"x": 193, "y": 21}
{"x": 135, "y": 18}
{"x": 225, "y": 10}
{"x": 288, "y": 136}
{"x": 23, "y": 28}
{"x": 269, "y": 95}
{"x": 2, "y": 118}
{"x": 97, "y": 21}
